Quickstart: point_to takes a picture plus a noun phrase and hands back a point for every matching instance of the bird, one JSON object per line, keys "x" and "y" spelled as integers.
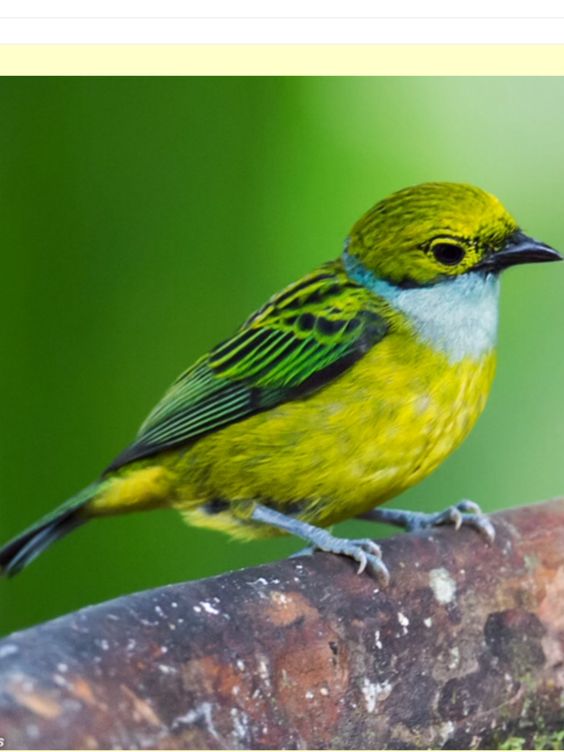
{"x": 344, "y": 389}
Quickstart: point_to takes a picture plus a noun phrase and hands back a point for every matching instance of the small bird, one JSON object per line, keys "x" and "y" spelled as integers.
{"x": 346, "y": 388}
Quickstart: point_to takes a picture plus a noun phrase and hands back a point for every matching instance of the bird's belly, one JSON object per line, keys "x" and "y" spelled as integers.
{"x": 387, "y": 444}
{"x": 378, "y": 429}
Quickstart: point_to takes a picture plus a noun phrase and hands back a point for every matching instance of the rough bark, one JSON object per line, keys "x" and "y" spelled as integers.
{"x": 464, "y": 649}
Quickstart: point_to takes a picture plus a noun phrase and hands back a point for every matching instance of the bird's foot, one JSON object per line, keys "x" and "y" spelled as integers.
{"x": 364, "y": 551}
{"x": 465, "y": 513}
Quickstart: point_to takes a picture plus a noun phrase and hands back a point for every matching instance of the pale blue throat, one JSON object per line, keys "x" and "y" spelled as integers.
{"x": 457, "y": 317}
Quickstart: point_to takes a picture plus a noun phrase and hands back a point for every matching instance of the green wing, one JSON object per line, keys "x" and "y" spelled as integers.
{"x": 300, "y": 340}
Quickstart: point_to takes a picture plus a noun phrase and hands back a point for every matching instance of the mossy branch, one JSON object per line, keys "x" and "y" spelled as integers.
{"x": 464, "y": 649}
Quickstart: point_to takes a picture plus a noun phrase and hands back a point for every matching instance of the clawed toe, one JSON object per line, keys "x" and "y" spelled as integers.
{"x": 469, "y": 506}
{"x": 466, "y": 513}
{"x": 367, "y": 545}
{"x": 481, "y": 524}
{"x": 452, "y": 516}
{"x": 367, "y": 554}
{"x": 364, "y": 551}
{"x": 378, "y": 568}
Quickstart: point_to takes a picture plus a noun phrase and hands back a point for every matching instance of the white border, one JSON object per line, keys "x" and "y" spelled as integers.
{"x": 280, "y": 9}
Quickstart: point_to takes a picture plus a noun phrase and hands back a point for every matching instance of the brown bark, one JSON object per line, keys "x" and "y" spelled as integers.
{"x": 464, "y": 649}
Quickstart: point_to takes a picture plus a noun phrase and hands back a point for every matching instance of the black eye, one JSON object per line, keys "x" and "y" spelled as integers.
{"x": 448, "y": 254}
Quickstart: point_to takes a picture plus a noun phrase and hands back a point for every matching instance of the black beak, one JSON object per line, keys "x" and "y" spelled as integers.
{"x": 519, "y": 249}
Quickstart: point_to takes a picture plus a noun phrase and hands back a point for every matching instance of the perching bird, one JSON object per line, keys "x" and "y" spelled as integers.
{"x": 343, "y": 390}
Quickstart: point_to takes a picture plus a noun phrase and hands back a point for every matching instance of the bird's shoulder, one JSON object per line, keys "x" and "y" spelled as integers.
{"x": 326, "y": 291}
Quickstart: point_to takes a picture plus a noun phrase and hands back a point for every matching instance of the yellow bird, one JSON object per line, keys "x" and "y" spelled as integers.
{"x": 342, "y": 391}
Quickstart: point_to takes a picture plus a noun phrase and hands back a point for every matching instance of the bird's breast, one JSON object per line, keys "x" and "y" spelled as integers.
{"x": 376, "y": 430}
{"x": 413, "y": 407}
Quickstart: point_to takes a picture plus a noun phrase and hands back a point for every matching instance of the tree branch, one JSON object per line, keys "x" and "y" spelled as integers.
{"x": 464, "y": 649}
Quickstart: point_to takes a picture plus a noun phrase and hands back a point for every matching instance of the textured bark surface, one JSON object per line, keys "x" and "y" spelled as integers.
{"x": 464, "y": 649}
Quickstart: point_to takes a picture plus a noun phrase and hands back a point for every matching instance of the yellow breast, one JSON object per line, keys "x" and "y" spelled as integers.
{"x": 375, "y": 431}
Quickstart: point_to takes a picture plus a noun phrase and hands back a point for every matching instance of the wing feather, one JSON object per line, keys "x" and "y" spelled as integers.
{"x": 299, "y": 341}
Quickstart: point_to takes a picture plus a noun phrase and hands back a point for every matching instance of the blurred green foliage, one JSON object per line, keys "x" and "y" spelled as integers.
{"x": 142, "y": 219}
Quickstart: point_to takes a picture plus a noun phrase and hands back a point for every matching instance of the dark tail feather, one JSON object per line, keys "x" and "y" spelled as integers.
{"x": 23, "y": 549}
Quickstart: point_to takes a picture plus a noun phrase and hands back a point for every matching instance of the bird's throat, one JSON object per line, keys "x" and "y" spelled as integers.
{"x": 457, "y": 317}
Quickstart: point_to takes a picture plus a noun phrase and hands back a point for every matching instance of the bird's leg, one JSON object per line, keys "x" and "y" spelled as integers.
{"x": 364, "y": 551}
{"x": 464, "y": 513}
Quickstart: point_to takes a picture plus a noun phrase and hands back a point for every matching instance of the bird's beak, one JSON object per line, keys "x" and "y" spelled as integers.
{"x": 519, "y": 249}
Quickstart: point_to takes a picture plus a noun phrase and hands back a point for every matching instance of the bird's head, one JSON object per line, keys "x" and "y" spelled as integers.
{"x": 436, "y": 231}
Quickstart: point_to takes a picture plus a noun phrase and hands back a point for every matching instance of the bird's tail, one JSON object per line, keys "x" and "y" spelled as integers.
{"x": 20, "y": 551}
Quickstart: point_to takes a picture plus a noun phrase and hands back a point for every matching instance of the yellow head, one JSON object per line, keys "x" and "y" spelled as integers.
{"x": 433, "y": 231}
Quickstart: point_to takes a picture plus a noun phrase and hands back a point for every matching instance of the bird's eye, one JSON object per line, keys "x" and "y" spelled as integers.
{"x": 448, "y": 254}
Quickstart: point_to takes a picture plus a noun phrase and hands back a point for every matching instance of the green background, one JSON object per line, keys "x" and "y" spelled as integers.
{"x": 141, "y": 220}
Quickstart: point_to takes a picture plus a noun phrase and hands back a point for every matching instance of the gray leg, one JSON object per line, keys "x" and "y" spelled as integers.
{"x": 464, "y": 513}
{"x": 364, "y": 551}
